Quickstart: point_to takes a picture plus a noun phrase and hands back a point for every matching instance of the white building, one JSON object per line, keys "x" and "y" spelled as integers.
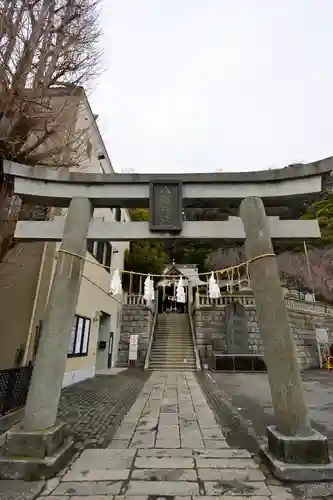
{"x": 96, "y": 330}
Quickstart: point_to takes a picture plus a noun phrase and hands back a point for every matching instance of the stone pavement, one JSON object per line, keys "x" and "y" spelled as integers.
{"x": 250, "y": 405}
{"x": 93, "y": 409}
{"x": 169, "y": 445}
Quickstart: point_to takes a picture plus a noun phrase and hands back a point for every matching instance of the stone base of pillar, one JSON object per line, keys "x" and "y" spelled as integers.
{"x": 33, "y": 455}
{"x": 298, "y": 458}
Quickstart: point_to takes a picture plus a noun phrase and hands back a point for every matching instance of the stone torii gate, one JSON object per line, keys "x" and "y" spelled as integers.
{"x": 294, "y": 451}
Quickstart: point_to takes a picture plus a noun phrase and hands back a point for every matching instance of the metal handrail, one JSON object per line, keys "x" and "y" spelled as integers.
{"x": 194, "y": 338}
{"x": 151, "y": 334}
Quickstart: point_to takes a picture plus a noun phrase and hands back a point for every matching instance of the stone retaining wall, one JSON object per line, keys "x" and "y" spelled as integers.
{"x": 210, "y": 328}
{"x": 135, "y": 320}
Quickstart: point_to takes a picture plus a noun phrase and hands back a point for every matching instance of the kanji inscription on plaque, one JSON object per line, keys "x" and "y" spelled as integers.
{"x": 165, "y": 207}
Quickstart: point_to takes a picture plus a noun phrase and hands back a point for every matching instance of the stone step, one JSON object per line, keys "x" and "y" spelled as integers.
{"x": 159, "y": 366}
{"x": 170, "y": 340}
{"x": 176, "y": 338}
{"x": 172, "y": 362}
{"x": 172, "y": 317}
{"x": 176, "y": 368}
{"x": 172, "y": 344}
{"x": 173, "y": 348}
{"x": 177, "y": 356}
{"x": 173, "y": 330}
{"x": 178, "y": 362}
{"x": 176, "y": 325}
{"x": 167, "y": 335}
{"x": 168, "y": 369}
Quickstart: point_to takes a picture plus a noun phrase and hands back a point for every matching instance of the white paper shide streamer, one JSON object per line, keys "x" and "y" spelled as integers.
{"x": 116, "y": 286}
{"x": 149, "y": 292}
{"x": 213, "y": 288}
{"x": 180, "y": 292}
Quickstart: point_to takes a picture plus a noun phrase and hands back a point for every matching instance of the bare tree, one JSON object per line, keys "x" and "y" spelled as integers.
{"x": 294, "y": 268}
{"x": 49, "y": 49}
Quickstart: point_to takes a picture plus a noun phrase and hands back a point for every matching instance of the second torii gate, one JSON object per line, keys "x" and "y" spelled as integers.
{"x": 294, "y": 448}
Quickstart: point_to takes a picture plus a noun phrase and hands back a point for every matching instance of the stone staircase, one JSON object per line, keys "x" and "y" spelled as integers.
{"x": 172, "y": 347}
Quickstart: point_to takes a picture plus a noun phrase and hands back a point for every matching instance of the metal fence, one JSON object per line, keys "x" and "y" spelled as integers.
{"x": 14, "y": 385}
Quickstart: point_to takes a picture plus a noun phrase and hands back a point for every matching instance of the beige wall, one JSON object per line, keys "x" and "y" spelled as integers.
{"x": 18, "y": 281}
{"x": 42, "y": 291}
{"x": 93, "y": 299}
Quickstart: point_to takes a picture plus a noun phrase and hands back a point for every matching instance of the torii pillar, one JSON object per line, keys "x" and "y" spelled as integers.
{"x": 39, "y": 446}
{"x": 295, "y": 452}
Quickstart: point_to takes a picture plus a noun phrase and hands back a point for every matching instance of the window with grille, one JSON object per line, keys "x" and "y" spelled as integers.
{"x": 79, "y": 341}
{"x": 102, "y": 251}
{"x": 118, "y": 214}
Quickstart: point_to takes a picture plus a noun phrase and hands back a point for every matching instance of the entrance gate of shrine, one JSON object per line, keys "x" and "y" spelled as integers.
{"x": 259, "y": 206}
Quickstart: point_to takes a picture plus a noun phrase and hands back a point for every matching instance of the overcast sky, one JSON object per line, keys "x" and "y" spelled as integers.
{"x": 206, "y": 85}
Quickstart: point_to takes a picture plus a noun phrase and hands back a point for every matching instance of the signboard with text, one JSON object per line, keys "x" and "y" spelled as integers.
{"x": 133, "y": 348}
{"x": 322, "y": 335}
{"x": 165, "y": 207}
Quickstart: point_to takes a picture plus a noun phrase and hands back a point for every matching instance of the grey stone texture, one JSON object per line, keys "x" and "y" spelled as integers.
{"x": 43, "y": 398}
{"x": 124, "y": 471}
{"x": 287, "y": 392}
{"x": 20, "y": 490}
{"x": 135, "y": 320}
{"x": 298, "y": 450}
{"x": 92, "y": 409}
{"x": 236, "y": 329}
{"x": 211, "y": 334}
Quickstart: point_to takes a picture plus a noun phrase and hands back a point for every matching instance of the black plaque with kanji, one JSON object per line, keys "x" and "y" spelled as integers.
{"x": 165, "y": 207}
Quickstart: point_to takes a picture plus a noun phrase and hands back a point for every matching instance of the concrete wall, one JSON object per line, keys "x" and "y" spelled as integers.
{"x": 135, "y": 320}
{"x": 45, "y": 276}
{"x": 18, "y": 281}
{"x": 94, "y": 298}
{"x": 210, "y": 327}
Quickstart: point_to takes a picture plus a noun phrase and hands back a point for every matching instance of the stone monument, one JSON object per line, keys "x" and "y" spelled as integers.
{"x": 236, "y": 329}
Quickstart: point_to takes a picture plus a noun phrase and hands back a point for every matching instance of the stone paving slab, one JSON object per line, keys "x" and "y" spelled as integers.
{"x": 233, "y": 474}
{"x": 165, "y": 474}
{"x": 164, "y": 463}
{"x": 88, "y": 488}
{"x": 183, "y": 452}
{"x": 218, "y": 488}
{"x": 222, "y": 453}
{"x": 160, "y": 454}
{"x": 97, "y": 475}
{"x": 20, "y": 490}
{"x": 162, "y": 488}
{"x": 226, "y": 463}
